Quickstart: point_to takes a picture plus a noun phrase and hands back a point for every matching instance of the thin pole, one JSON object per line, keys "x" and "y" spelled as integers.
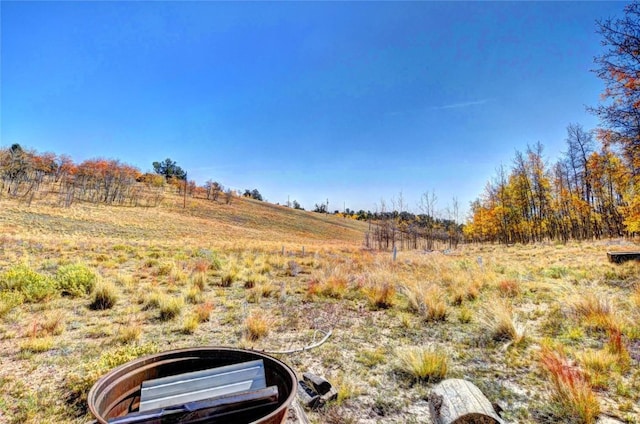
{"x": 184, "y": 200}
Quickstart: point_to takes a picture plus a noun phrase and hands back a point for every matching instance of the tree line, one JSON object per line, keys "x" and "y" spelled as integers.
{"x": 593, "y": 190}
{"x": 581, "y": 196}
{"x": 26, "y": 174}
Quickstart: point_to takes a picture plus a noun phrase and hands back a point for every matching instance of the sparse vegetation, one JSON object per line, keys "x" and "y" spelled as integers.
{"x": 430, "y": 309}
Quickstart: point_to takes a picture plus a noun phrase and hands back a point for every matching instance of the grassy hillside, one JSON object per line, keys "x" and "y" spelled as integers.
{"x": 549, "y": 331}
{"x": 244, "y": 222}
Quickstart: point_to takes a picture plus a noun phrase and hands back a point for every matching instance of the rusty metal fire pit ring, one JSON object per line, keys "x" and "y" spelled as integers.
{"x": 114, "y": 394}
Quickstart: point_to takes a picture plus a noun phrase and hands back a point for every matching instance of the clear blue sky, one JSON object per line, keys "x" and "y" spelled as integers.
{"x": 351, "y": 102}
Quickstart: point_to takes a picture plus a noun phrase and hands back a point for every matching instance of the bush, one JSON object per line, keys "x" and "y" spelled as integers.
{"x": 9, "y": 300}
{"x": 79, "y": 383}
{"x": 75, "y": 279}
{"x": 33, "y": 286}
{"x": 105, "y": 296}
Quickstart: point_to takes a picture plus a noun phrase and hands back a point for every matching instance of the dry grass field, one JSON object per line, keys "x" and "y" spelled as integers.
{"x": 549, "y": 332}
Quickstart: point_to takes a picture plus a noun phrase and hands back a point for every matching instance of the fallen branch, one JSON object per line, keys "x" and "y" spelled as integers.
{"x": 304, "y": 348}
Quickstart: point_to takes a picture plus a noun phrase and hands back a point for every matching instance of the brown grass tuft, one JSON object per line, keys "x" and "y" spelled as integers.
{"x": 381, "y": 295}
{"x": 203, "y": 311}
{"x": 500, "y": 321}
{"x": 509, "y": 288}
{"x": 257, "y": 325}
{"x": 427, "y": 301}
{"x": 594, "y": 311}
{"x": 572, "y": 392}
{"x": 422, "y": 364}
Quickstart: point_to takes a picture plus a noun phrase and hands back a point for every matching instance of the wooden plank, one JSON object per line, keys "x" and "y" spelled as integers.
{"x": 199, "y": 385}
{"x": 619, "y": 257}
{"x": 210, "y": 409}
{"x": 456, "y": 401}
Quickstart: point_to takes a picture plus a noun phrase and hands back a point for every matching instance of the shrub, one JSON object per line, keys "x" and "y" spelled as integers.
{"x": 422, "y": 364}
{"x": 34, "y": 287}
{"x": 9, "y": 300}
{"x": 105, "y": 296}
{"x": 78, "y": 383}
{"x": 75, "y": 279}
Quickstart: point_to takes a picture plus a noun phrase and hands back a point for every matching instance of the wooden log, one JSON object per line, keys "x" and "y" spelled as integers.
{"x": 456, "y": 401}
{"x": 619, "y": 257}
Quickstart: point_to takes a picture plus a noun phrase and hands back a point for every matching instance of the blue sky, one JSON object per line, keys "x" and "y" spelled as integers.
{"x": 352, "y": 102}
